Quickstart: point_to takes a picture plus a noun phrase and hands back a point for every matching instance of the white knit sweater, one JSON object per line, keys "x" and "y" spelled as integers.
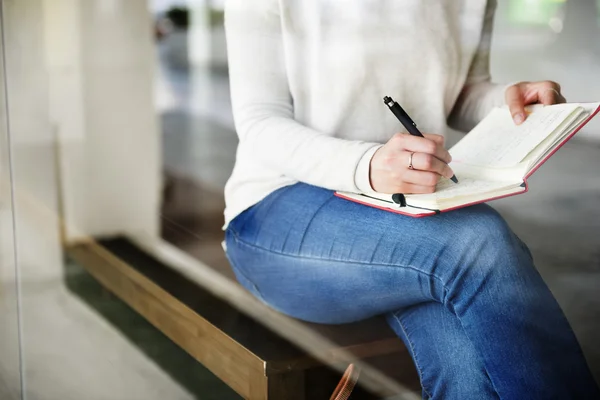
{"x": 308, "y": 78}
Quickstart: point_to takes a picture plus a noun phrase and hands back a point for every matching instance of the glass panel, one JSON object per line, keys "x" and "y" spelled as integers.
{"x": 86, "y": 153}
{"x": 123, "y": 142}
{"x": 10, "y": 345}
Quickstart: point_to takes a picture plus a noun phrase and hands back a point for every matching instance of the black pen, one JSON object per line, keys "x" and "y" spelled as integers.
{"x": 405, "y": 120}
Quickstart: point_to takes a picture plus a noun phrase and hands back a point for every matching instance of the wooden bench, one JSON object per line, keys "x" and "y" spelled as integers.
{"x": 251, "y": 359}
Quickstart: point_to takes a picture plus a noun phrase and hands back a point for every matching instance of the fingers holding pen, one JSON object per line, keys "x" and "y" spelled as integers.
{"x": 432, "y": 145}
{"x": 410, "y": 164}
{"x": 422, "y": 162}
{"x": 441, "y": 154}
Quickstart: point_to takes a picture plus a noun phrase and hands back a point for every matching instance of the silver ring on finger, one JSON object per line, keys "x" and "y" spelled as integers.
{"x": 410, "y": 160}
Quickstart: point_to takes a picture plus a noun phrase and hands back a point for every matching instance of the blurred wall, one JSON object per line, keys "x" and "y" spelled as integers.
{"x": 85, "y": 134}
{"x": 10, "y": 365}
{"x": 555, "y": 40}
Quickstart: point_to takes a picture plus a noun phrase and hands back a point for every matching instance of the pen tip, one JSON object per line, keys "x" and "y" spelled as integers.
{"x": 454, "y": 179}
{"x": 387, "y": 99}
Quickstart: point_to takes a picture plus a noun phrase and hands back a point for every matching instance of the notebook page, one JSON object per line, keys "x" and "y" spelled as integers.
{"x": 548, "y": 145}
{"x": 447, "y": 189}
{"x": 497, "y": 142}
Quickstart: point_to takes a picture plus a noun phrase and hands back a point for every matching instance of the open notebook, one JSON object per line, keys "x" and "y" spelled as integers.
{"x": 492, "y": 161}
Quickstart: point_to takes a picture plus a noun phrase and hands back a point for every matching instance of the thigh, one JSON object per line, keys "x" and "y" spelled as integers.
{"x": 449, "y": 365}
{"x": 318, "y": 257}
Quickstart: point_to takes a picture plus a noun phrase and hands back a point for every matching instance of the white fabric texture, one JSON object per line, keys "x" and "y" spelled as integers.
{"x": 308, "y": 79}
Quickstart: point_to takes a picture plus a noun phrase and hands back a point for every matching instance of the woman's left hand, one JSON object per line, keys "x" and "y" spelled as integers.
{"x": 524, "y": 93}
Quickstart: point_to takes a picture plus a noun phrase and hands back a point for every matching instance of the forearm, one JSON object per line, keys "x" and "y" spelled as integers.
{"x": 474, "y": 103}
{"x": 293, "y": 150}
{"x": 479, "y": 94}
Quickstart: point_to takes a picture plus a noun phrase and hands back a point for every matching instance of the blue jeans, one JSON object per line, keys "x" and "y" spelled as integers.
{"x": 460, "y": 289}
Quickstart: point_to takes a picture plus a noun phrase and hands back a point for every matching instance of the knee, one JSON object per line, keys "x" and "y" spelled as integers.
{"x": 485, "y": 240}
{"x": 489, "y": 255}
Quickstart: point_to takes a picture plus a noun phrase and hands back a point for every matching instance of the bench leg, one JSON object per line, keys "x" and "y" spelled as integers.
{"x": 285, "y": 386}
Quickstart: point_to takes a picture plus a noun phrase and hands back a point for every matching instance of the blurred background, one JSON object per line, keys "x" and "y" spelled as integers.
{"x": 116, "y": 140}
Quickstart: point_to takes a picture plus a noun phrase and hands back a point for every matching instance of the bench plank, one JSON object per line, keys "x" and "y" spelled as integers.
{"x": 222, "y": 355}
{"x": 251, "y": 359}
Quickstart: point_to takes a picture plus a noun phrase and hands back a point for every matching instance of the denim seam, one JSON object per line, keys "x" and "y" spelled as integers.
{"x": 414, "y": 352}
{"x": 485, "y": 367}
{"x": 411, "y": 267}
{"x": 239, "y": 271}
{"x": 251, "y": 281}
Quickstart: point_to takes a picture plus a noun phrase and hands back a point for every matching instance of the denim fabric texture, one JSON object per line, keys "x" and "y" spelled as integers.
{"x": 460, "y": 289}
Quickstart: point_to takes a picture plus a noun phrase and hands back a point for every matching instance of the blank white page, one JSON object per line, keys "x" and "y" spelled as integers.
{"x": 497, "y": 142}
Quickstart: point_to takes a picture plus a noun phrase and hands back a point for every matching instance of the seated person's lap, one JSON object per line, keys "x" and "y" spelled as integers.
{"x": 302, "y": 248}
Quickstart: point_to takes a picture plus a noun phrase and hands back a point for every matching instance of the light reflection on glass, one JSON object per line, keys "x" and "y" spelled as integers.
{"x": 535, "y": 12}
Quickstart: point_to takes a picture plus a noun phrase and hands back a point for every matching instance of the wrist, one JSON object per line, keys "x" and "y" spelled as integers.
{"x": 362, "y": 177}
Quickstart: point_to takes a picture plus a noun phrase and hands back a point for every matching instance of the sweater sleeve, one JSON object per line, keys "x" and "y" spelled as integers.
{"x": 263, "y": 107}
{"x": 479, "y": 95}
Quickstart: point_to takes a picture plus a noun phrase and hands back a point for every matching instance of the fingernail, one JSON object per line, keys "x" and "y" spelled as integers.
{"x": 519, "y": 118}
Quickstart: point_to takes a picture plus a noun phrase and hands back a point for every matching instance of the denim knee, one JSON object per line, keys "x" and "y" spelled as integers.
{"x": 487, "y": 252}
{"x": 485, "y": 239}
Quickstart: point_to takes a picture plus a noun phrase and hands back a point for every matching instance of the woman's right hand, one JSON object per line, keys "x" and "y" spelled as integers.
{"x": 390, "y": 172}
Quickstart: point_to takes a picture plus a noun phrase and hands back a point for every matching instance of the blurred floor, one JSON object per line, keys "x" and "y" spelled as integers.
{"x": 73, "y": 353}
